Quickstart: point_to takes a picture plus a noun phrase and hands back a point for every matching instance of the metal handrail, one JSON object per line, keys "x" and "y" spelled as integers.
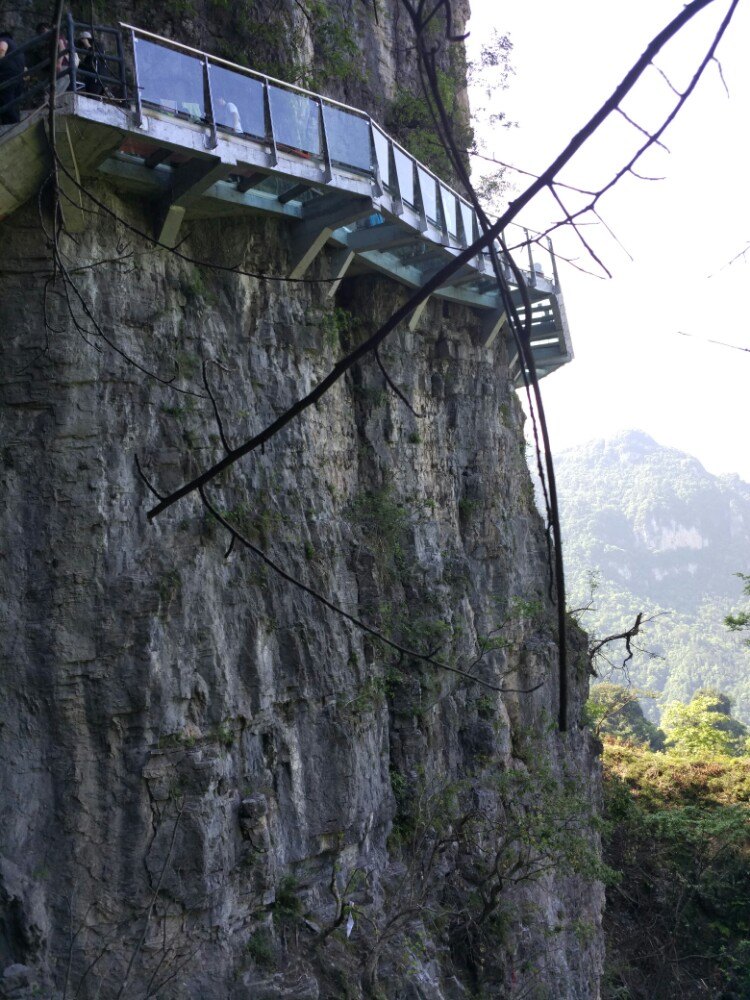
{"x": 244, "y": 70}
{"x": 452, "y": 241}
{"x": 71, "y": 71}
{"x": 267, "y": 79}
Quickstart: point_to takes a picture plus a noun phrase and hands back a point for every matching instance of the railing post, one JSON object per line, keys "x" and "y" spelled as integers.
{"x": 442, "y": 219}
{"x": 136, "y": 81}
{"x": 417, "y": 182}
{"x": 213, "y": 139}
{"x": 377, "y": 180}
{"x": 72, "y": 55}
{"x": 555, "y": 275}
{"x": 532, "y": 272}
{"x": 328, "y": 169}
{"x": 121, "y": 58}
{"x": 398, "y": 201}
{"x": 269, "y": 120}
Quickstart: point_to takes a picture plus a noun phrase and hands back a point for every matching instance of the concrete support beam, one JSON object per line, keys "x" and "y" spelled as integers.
{"x": 245, "y": 183}
{"x": 340, "y": 261}
{"x": 321, "y": 218}
{"x": 491, "y": 326}
{"x": 24, "y": 163}
{"x": 158, "y": 156}
{"x": 382, "y": 237}
{"x": 417, "y": 314}
{"x": 189, "y": 183}
{"x": 71, "y": 203}
{"x": 293, "y": 192}
{"x": 463, "y": 277}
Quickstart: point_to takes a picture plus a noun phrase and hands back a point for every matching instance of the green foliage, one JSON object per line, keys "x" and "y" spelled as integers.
{"x": 259, "y": 520}
{"x": 287, "y": 907}
{"x": 225, "y": 735}
{"x": 678, "y": 832}
{"x": 658, "y": 530}
{"x": 260, "y": 949}
{"x": 704, "y": 726}
{"x": 194, "y": 289}
{"x": 384, "y": 521}
{"x": 506, "y": 827}
{"x": 337, "y": 54}
{"x": 169, "y": 586}
{"x": 614, "y": 710}
{"x": 336, "y": 324}
{"x": 410, "y": 121}
{"x": 369, "y": 698}
{"x": 278, "y": 34}
{"x": 740, "y": 621}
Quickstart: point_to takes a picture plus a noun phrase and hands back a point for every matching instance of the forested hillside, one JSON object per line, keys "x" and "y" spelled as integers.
{"x": 657, "y": 533}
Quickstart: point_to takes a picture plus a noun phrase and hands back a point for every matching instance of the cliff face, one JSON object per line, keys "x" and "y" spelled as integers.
{"x": 212, "y": 786}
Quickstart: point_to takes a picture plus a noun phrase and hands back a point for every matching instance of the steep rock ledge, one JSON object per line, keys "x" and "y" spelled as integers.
{"x": 211, "y": 785}
{"x": 179, "y": 721}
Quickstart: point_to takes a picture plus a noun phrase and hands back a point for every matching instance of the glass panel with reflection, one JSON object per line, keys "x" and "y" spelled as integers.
{"x": 428, "y": 187}
{"x": 450, "y": 209}
{"x": 381, "y": 152}
{"x": 348, "y": 138}
{"x": 467, "y": 217}
{"x": 238, "y": 102}
{"x": 170, "y": 80}
{"x": 405, "y": 175}
{"x": 296, "y": 120}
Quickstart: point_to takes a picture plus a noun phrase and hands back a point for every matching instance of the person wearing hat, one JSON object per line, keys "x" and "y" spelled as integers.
{"x": 91, "y": 65}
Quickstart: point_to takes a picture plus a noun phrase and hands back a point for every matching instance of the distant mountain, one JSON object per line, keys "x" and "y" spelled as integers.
{"x": 661, "y": 534}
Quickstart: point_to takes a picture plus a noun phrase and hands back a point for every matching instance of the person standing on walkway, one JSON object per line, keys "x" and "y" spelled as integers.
{"x": 90, "y": 67}
{"x": 12, "y": 66}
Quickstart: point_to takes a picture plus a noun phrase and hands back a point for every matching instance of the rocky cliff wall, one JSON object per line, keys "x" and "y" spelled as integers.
{"x": 212, "y": 786}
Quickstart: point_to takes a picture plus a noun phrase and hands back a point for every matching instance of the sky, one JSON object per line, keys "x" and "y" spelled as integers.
{"x": 632, "y": 368}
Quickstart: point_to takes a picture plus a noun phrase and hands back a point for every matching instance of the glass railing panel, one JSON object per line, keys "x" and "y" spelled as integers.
{"x": 405, "y": 175}
{"x": 450, "y": 209}
{"x": 170, "y": 80}
{"x": 348, "y": 138}
{"x": 382, "y": 145}
{"x": 467, "y": 217}
{"x": 296, "y": 121}
{"x": 428, "y": 187}
{"x": 238, "y": 102}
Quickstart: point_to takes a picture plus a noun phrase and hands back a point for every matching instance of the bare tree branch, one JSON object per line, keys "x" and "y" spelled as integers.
{"x": 485, "y": 240}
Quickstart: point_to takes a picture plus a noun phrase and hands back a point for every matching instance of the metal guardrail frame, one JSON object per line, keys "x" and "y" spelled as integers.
{"x": 449, "y": 240}
{"x": 71, "y": 72}
{"x": 340, "y": 174}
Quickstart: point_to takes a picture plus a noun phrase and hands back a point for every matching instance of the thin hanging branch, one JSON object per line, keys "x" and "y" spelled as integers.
{"x": 404, "y": 651}
{"x": 485, "y": 241}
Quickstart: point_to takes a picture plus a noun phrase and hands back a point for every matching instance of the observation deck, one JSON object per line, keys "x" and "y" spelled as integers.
{"x": 198, "y": 137}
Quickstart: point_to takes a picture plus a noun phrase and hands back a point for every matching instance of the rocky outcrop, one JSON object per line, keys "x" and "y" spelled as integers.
{"x": 212, "y": 785}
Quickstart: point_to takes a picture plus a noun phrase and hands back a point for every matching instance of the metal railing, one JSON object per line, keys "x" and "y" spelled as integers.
{"x": 173, "y": 79}
{"x": 97, "y": 70}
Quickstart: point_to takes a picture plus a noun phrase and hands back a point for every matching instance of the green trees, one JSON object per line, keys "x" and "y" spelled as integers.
{"x": 741, "y": 621}
{"x": 614, "y": 710}
{"x": 704, "y": 727}
{"x": 677, "y": 922}
{"x": 677, "y": 831}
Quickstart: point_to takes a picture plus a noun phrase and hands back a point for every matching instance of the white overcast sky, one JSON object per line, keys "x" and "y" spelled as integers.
{"x": 631, "y": 369}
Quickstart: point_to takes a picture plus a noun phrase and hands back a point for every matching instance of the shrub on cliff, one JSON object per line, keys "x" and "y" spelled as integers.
{"x": 678, "y": 921}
